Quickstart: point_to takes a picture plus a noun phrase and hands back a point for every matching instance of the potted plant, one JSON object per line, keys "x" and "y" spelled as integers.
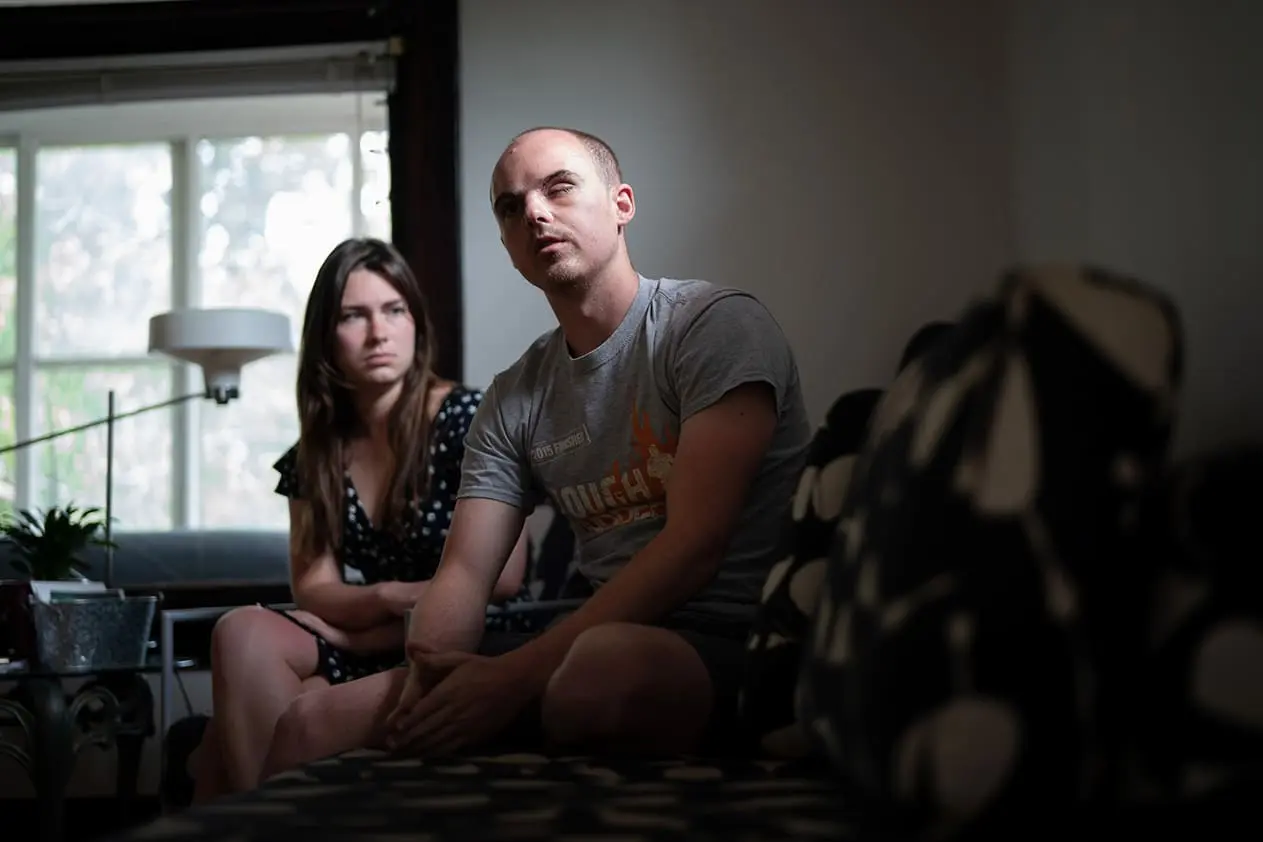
{"x": 45, "y": 548}
{"x": 49, "y": 547}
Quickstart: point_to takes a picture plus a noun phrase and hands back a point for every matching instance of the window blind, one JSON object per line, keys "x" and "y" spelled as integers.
{"x": 336, "y": 68}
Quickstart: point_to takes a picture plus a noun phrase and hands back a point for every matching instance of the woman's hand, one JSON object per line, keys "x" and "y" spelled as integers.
{"x": 400, "y": 597}
{"x": 377, "y": 639}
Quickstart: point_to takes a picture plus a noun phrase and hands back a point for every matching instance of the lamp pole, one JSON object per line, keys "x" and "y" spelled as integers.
{"x": 109, "y": 491}
{"x": 79, "y": 428}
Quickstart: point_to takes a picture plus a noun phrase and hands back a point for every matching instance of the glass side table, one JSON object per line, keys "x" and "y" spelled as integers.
{"x": 113, "y": 707}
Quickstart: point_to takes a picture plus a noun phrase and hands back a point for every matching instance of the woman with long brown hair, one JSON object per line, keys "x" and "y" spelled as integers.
{"x": 372, "y": 484}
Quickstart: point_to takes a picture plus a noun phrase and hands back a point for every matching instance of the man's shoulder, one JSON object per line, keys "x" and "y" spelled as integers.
{"x": 691, "y": 292}
{"x": 679, "y": 302}
{"x": 525, "y": 374}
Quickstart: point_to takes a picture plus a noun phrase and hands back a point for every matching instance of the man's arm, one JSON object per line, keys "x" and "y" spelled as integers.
{"x": 484, "y": 555}
{"x": 514, "y": 572}
{"x": 451, "y": 613}
{"x": 718, "y": 455}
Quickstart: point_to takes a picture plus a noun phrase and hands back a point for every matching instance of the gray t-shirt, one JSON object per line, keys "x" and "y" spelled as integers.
{"x": 596, "y": 434}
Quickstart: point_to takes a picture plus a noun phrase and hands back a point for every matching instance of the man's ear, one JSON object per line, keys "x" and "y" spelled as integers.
{"x": 624, "y": 204}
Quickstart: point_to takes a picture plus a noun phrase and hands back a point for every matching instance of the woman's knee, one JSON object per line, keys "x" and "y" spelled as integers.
{"x": 236, "y": 628}
{"x": 251, "y": 633}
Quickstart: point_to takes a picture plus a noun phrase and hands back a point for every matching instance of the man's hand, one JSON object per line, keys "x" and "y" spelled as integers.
{"x": 400, "y": 597}
{"x": 414, "y": 687}
{"x": 455, "y": 700}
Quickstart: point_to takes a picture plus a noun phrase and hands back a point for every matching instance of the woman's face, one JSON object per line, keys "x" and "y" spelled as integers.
{"x": 376, "y": 332}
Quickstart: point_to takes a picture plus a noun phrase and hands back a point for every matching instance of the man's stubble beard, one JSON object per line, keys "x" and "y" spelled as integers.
{"x": 566, "y": 280}
{"x": 568, "y": 284}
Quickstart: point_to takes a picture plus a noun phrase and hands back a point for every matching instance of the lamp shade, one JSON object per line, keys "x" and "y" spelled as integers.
{"x": 221, "y": 340}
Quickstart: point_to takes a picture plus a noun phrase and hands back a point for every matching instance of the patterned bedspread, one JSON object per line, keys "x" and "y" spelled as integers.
{"x": 370, "y": 796}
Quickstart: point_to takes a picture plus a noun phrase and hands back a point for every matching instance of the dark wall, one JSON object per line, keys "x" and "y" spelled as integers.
{"x": 123, "y": 29}
{"x": 424, "y": 170}
{"x": 422, "y": 108}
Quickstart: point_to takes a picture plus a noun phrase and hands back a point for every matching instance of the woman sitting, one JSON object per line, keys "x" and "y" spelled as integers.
{"x": 372, "y": 483}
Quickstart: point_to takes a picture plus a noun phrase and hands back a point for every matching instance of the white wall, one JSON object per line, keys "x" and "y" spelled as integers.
{"x": 865, "y": 166}
{"x": 1138, "y": 143}
{"x": 843, "y": 160}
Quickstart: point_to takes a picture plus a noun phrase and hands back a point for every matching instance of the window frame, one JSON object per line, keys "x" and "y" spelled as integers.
{"x": 180, "y": 124}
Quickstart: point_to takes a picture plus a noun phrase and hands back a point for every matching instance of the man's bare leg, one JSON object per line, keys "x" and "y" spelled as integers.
{"x": 629, "y": 688}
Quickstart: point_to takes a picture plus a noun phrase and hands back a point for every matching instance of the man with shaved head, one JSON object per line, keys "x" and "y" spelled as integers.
{"x": 664, "y": 420}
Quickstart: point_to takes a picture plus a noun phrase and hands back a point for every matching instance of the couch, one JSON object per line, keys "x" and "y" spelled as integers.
{"x": 1002, "y": 612}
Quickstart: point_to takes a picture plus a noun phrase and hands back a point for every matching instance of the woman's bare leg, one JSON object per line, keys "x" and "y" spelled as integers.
{"x": 331, "y": 720}
{"x": 210, "y": 772}
{"x": 210, "y": 778}
{"x": 260, "y": 662}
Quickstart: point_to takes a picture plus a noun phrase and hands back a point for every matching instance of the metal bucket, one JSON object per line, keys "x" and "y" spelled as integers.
{"x": 97, "y": 632}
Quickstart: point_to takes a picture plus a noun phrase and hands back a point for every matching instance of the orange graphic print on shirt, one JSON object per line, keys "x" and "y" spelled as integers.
{"x": 632, "y": 489}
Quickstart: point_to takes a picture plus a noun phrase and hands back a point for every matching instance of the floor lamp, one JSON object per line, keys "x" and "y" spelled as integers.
{"x": 221, "y": 341}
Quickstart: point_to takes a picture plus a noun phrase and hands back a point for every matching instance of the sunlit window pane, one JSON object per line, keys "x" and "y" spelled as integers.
{"x": 71, "y": 470}
{"x": 8, "y": 435}
{"x": 102, "y": 248}
{"x": 375, "y": 193}
{"x": 8, "y": 321}
{"x": 8, "y": 252}
{"x": 271, "y": 210}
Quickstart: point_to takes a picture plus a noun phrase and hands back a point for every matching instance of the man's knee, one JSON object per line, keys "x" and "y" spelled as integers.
{"x": 618, "y": 680}
{"x": 594, "y": 685}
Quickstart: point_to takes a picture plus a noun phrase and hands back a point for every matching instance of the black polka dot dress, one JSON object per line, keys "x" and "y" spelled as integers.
{"x": 378, "y": 555}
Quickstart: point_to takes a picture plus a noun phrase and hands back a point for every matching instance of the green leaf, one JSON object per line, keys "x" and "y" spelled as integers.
{"x": 29, "y": 518}
{"x": 49, "y": 544}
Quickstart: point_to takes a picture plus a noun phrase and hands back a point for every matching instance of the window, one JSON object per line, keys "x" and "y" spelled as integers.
{"x": 8, "y": 306}
{"x": 148, "y": 207}
{"x": 102, "y": 256}
{"x": 263, "y": 203}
